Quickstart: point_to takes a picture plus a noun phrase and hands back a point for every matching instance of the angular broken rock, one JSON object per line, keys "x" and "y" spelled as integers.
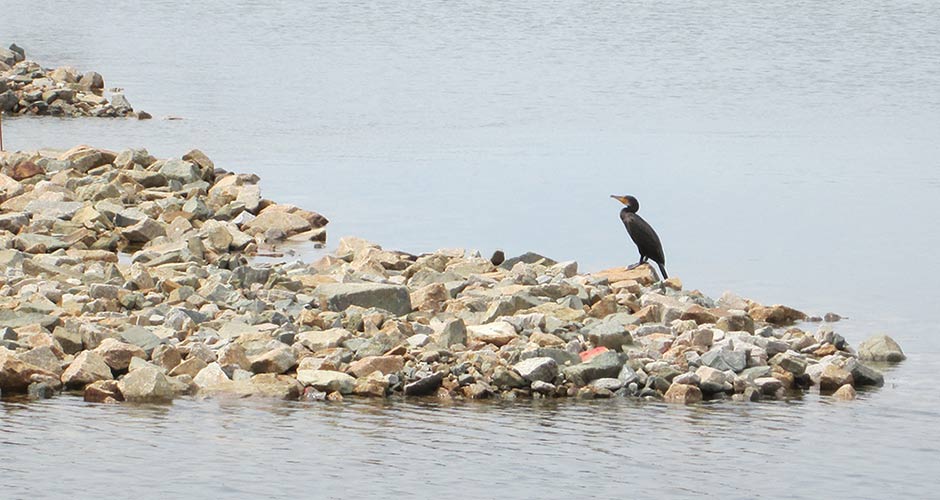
{"x": 87, "y": 367}
{"x": 542, "y": 369}
{"x": 327, "y": 380}
{"x": 340, "y": 296}
{"x": 146, "y": 385}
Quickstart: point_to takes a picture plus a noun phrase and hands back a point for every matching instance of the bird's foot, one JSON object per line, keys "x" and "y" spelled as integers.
{"x": 634, "y": 266}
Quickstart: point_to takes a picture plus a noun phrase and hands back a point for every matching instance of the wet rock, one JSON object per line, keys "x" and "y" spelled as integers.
{"x": 103, "y": 391}
{"x": 17, "y": 375}
{"x": 776, "y": 314}
{"x": 425, "y": 385}
{"x": 863, "y": 374}
{"x": 146, "y": 385}
{"x": 845, "y": 393}
{"x": 833, "y": 377}
{"x": 768, "y": 385}
{"x": 880, "y": 348}
{"x": 340, "y": 296}
{"x": 683, "y": 394}
{"x": 87, "y": 367}
{"x": 371, "y": 386}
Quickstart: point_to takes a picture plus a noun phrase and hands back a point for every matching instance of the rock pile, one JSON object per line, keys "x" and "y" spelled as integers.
{"x": 28, "y": 88}
{"x": 127, "y": 278}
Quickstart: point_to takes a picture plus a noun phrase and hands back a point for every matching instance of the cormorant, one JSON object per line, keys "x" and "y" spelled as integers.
{"x": 647, "y": 242}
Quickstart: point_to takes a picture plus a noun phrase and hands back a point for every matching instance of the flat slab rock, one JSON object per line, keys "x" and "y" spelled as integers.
{"x": 339, "y": 296}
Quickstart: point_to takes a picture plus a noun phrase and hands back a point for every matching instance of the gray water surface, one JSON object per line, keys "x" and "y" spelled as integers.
{"x": 787, "y": 151}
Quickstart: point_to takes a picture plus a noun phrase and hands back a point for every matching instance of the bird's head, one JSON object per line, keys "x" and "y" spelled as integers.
{"x": 630, "y": 202}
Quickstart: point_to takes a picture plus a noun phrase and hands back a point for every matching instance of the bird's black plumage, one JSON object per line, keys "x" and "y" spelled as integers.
{"x": 646, "y": 239}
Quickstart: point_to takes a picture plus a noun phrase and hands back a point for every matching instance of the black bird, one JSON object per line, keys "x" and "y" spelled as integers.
{"x": 647, "y": 241}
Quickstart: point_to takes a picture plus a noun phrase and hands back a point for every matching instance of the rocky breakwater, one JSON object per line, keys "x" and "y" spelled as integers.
{"x": 128, "y": 278}
{"x": 26, "y": 88}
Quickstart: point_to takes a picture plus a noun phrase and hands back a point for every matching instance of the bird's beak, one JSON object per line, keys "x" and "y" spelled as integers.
{"x": 621, "y": 199}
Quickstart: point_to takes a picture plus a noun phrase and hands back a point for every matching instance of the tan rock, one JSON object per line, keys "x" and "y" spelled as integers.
{"x": 118, "y": 354}
{"x": 16, "y": 375}
{"x": 776, "y": 314}
{"x": 103, "y": 391}
{"x": 370, "y": 364}
{"x": 166, "y": 357}
{"x": 191, "y": 366}
{"x": 324, "y": 339}
{"x": 845, "y": 393}
{"x": 683, "y": 394}
{"x": 834, "y": 377}
{"x": 87, "y": 367}
{"x": 643, "y": 275}
{"x": 233, "y": 356}
{"x": 374, "y": 386}
{"x": 546, "y": 339}
{"x": 430, "y": 297}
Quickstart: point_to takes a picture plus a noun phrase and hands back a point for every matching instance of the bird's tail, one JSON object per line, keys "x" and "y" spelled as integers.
{"x": 662, "y": 269}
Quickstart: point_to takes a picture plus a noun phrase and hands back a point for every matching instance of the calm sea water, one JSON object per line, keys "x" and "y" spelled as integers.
{"x": 784, "y": 150}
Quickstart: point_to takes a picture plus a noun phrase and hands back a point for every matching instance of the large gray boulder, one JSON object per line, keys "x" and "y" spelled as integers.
{"x": 604, "y": 365}
{"x": 339, "y": 296}
{"x": 880, "y": 348}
